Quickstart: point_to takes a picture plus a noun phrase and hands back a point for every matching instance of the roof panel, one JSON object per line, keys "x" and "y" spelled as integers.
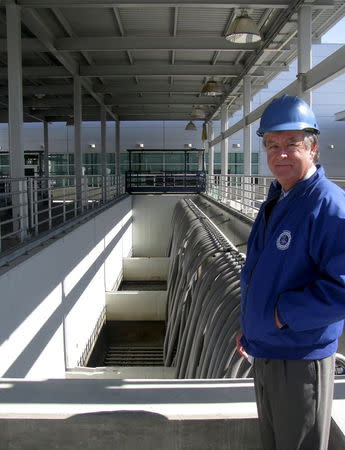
{"x": 203, "y": 22}
{"x": 146, "y": 21}
{"x": 91, "y": 21}
{"x": 44, "y": 64}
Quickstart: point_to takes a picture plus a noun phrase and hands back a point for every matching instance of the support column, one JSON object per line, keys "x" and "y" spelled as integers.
{"x": 117, "y": 147}
{"x": 210, "y": 163}
{"x": 247, "y": 130}
{"x": 46, "y": 149}
{"x": 223, "y": 185}
{"x": 22, "y": 195}
{"x": 103, "y": 152}
{"x": 224, "y": 143}
{"x": 15, "y": 90}
{"x": 77, "y": 142}
{"x": 304, "y": 48}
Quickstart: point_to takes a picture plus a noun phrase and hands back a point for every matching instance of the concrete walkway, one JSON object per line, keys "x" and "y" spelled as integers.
{"x": 129, "y": 414}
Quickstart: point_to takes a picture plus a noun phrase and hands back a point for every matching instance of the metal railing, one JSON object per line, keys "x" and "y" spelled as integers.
{"x": 165, "y": 181}
{"x": 32, "y": 206}
{"x": 244, "y": 193}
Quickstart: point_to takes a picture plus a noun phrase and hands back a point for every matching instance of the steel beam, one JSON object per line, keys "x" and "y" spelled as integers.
{"x": 199, "y": 70}
{"x": 304, "y": 49}
{"x": 36, "y": 25}
{"x": 328, "y": 69}
{"x": 137, "y": 43}
{"x": 281, "y": 4}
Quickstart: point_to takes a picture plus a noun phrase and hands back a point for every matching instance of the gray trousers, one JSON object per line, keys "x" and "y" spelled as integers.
{"x": 294, "y": 400}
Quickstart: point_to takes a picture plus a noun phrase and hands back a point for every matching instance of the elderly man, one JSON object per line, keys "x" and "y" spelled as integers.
{"x": 293, "y": 284}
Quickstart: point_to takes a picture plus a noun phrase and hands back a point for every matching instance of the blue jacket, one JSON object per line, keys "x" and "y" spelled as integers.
{"x": 296, "y": 263}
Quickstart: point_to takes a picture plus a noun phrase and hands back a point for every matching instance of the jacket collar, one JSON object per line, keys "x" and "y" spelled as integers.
{"x": 275, "y": 188}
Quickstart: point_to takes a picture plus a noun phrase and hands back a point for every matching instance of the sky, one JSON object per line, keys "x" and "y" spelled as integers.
{"x": 335, "y": 35}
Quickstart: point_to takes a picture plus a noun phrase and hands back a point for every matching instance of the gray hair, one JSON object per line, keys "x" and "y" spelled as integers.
{"x": 311, "y": 139}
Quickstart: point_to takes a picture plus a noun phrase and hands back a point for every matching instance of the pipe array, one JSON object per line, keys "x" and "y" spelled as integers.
{"x": 203, "y": 304}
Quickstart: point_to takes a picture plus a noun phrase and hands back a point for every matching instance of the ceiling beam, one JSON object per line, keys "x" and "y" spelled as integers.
{"x": 164, "y": 100}
{"x": 40, "y": 72}
{"x": 124, "y": 101}
{"x": 150, "y": 88}
{"x": 38, "y": 27}
{"x": 148, "y": 69}
{"x": 192, "y": 70}
{"x": 114, "y": 88}
{"x": 162, "y": 3}
{"x": 137, "y": 43}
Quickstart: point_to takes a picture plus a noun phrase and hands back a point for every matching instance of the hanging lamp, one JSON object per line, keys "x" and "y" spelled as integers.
{"x": 243, "y": 30}
{"x": 190, "y": 126}
{"x": 211, "y": 88}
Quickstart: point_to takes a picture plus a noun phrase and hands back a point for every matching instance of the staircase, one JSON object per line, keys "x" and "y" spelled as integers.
{"x": 130, "y": 344}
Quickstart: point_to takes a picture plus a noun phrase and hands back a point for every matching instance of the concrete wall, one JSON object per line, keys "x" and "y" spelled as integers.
{"x": 152, "y": 216}
{"x": 51, "y": 300}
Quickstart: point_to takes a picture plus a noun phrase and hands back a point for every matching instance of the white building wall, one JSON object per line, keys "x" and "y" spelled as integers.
{"x": 51, "y": 301}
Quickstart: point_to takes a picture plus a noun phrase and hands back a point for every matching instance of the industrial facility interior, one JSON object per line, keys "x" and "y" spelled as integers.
{"x": 119, "y": 280}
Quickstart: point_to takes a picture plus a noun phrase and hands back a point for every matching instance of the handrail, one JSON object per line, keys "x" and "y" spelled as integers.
{"x": 245, "y": 193}
{"x": 33, "y": 206}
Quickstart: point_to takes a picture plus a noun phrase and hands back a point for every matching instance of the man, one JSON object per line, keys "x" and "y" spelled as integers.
{"x": 293, "y": 284}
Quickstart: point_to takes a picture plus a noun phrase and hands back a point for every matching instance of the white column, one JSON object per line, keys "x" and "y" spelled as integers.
{"x": 224, "y": 143}
{"x": 21, "y": 196}
{"x": 247, "y": 130}
{"x": 77, "y": 141}
{"x": 210, "y": 163}
{"x": 104, "y": 152}
{"x": 46, "y": 149}
{"x": 15, "y": 90}
{"x": 117, "y": 147}
{"x": 304, "y": 48}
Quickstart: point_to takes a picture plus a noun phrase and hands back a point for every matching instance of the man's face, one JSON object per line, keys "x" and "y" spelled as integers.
{"x": 288, "y": 156}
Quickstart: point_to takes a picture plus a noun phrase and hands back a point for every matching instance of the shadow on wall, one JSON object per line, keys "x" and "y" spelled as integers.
{"x": 27, "y": 298}
{"x": 129, "y": 430}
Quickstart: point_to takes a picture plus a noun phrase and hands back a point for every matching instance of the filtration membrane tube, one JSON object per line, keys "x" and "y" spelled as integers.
{"x": 203, "y": 306}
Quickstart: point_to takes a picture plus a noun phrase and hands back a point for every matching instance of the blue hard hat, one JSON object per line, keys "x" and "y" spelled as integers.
{"x": 287, "y": 113}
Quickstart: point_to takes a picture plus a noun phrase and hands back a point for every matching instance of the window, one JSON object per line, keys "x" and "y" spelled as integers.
{"x": 235, "y": 163}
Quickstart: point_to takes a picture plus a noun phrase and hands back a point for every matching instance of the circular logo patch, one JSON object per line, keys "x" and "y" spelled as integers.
{"x": 284, "y": 239}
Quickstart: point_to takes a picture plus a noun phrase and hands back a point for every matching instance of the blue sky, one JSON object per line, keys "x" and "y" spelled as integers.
{"x": 335, "y": 35}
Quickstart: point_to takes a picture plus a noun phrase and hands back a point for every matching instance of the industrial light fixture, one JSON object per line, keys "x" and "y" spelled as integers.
{"x": 140, "y": 145}
{"x": 198, "y": 113}
{"x": 92, "y": 146}
{"x": 212, "y": 88}
{"x": 190, "y": 126}
{"x": 243, "y": 30}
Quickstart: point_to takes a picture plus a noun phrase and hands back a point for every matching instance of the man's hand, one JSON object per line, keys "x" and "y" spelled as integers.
{"x": 239, "y": 346}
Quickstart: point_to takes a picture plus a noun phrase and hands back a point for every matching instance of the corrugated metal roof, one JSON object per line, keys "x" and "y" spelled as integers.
{"x": 169, "y": 49}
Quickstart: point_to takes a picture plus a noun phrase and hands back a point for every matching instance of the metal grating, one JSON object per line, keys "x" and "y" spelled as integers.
{"x": 128, "y": 356}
